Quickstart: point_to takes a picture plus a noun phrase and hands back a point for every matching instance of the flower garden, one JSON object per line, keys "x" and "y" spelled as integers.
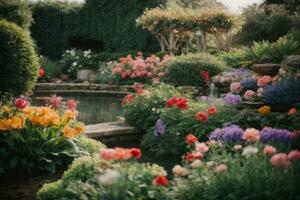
{"x": 217, "y": 109}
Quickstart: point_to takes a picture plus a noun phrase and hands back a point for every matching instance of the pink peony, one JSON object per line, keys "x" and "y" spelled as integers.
{"x": 236, "y": 87}
{"x": 280, "y": 160}
{"x": 269, "y": 150}
{"x": 251, "y": 135}
{"x": 263, "y": 81}
{"x": 201, "y": 147}
{"x": 221, "y": 168}
{"x": 71, "y": 104}
{"x": 294, "y": 155}
{"x": 249, "y": 94}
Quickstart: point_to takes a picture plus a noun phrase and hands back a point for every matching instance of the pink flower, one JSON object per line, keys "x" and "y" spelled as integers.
{"x": 221, "y": 168}
{"x": 155, "y": 81}
{"x": 294, "y": 155}
{"x": 260, "y": 92}
{"x": 107, "y": 154}
{"x": 201, "y": 147}
{"x": 236, "y": 87}
{"x": 249, "y": 94}
{"x": 179, "y": 171}
{"x": 269, "y": 150}
{"x": 161, "y": 74}
{"x": 55, "y": 101}
{"x": 196, "y": 163}
{"x": 263, "y": 81}
{"x": 280, "y": 160}
{"x": 149, "y": 74}
{"x": 251, "y": 135}
{"x": 71, "y": 104}
{"x": 21, "y": 103}
{"x": 123, "y": 74}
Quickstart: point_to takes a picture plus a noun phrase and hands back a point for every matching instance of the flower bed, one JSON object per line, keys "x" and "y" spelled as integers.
{"x": 41, "y": 138}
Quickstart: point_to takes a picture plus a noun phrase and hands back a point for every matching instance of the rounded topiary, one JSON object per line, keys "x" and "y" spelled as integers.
{"x": 18, "y": 60}
{"x": 186, "y": 69}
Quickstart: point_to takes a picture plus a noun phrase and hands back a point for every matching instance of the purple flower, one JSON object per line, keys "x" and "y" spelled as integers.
{"x": 232, "y": 99}
{"x": 160, "y": 128}
{"x": 231, "y": 133}
{"x": 275, "y": 135}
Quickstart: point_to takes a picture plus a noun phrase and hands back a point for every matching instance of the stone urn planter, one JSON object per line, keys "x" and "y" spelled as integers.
{"x": 266, "y": 69}
{"x": 84, "y": 74}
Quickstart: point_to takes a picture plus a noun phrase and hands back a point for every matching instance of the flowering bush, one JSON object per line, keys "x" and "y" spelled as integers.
{"x": 40, "y": 138}
{"x": 95, "y": 178}
{"x": 130, "y": 70}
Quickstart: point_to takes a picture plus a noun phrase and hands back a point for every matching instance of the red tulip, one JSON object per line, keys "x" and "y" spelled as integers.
{"x": 21, "y": 103}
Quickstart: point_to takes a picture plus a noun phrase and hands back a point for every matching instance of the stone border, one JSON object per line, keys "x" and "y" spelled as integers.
{"x": 112, "y": 132}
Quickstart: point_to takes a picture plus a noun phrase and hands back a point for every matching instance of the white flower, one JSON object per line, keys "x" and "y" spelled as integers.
{"x": 74, "y": 64}
{"x": 210, "y": 163}
{"x": 109, "y": 177}
{"x": 238, "y": 147}
{"x": 249, "y": 151}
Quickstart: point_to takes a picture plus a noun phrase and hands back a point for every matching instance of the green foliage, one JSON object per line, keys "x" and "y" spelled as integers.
{"x": 54, "y": 23}
{"x": 185, "y": 70}
{"x": 17, "y": 11}
{"x": 245, "y": 178}
{"x": 19, "y": 63}
{"x": 81, "y": 181}
{"x": 143, "y": 111}
{"x": 261, "y": 52}
{"x": 180, "y": 123}
{"x": 52, "y": 68}
{"x": 264, "y": 23}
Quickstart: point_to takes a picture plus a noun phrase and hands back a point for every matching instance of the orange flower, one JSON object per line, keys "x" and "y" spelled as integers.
{"x": 69, "y": 132}
{"x": 264, "y": 110}
{"x": 17, "y": 122}
{"x": 292, "y": 111}
{"x": 251, "y": 135}
{"x": 4, "y": 124}
{"x": 191, "y": 139}
{"x": 122, "y": 154}
{"x": 201, "y": 116}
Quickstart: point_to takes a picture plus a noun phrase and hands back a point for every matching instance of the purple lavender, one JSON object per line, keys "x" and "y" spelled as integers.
{"x": 160, "y": 128}
{"x": 232, "y": 99}
{"x": 275, "y": 135}
{"x": 231, "y": 133}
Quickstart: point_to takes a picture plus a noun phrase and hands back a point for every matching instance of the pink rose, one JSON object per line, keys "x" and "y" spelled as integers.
{"x": 236, "y": 87}
{"x": 294, "y": 155}
{"x": 269, "y": 150}
{"x": 263, "y": 81}
{"x": 251, "y": 135}
{"x": 280, "y": 160}
{"x": 201, "y": 147}
{"x": 249, "y": 94}
{"x": 221, "y": 168}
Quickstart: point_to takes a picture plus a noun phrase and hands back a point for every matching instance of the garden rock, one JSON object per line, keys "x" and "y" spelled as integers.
{"x": 292, "y": 61}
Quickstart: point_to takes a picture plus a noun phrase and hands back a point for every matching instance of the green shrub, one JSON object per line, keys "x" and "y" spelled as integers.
{"x": 185, "y": 70}
{"x": 17, "y": 11}
{"x": 81, "y": 181}
{"x": 144, "y": 110}
{"x": 19, "y": 63}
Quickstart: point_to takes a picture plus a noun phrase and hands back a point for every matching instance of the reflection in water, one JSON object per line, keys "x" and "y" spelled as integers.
{"x": 93, "y": 109}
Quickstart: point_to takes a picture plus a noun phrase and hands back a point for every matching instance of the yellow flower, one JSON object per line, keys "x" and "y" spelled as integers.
{"x": 264, "y": 110}
{"x": 69, "y": 132}
{"x": 17, "y": 122}
{"x": 4, "y": 124}
{"x": 69, "y": 115}
{"x": 43, "y": 116}
{"x": 80, "y": 129}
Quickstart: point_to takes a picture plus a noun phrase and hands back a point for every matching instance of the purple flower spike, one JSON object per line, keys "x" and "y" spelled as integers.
{"x": 275, "y": 135}
{"x": 231, "y": 133}
{"x": 160, "y": 128}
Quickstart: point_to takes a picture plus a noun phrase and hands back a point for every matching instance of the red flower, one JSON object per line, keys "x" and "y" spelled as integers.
{"x": 182, "y": 103}
{"x": 21, "y": 103}
{"x": 204, "y": 75}
{"x": 171, "y": 102}
{"x": 42, "y": 72}
{"x": 193, "y": 156}
{"x": 137, "y": 153}
{"x": 129, "y": 98}
{"x": 161, "y": 180}
{"x": 191, "y": 139}
{"x": 212, "y": 110}
{"x": 201, "y": 116}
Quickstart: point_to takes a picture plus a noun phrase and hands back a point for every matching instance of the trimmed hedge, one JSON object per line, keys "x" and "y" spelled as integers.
{"x": 110, "y": 23}
{"x": 17, "y": 11}
{"x": 185, "y": 69}
{"x": 19, "y": 63}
